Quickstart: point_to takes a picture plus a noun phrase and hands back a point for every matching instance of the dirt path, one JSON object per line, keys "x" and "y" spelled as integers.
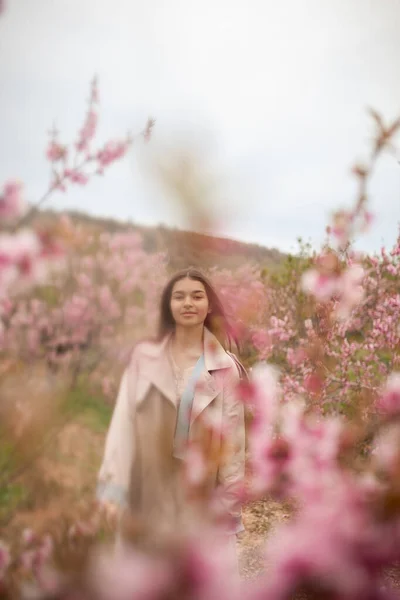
{"x": 260, "y": 519}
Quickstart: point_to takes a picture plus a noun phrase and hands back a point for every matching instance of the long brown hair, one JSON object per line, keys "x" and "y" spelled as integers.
{"x": 216, "y": 321}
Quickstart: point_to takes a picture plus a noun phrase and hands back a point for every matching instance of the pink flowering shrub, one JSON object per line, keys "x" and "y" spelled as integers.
{"x": 26, "y": 255}
{"x": 87, "y": 318}
{"x": 329, "y": 322}
{"x": 79, "y": 304}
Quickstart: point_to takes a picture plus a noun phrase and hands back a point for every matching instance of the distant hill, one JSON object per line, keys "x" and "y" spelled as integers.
{"x": 184, "y": 248}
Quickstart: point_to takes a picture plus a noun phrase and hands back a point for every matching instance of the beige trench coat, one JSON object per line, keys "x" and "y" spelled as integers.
{"x": 138, "y": 469}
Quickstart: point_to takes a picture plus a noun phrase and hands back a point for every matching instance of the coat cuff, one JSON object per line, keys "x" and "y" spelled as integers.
{"x": 236, "y": 525}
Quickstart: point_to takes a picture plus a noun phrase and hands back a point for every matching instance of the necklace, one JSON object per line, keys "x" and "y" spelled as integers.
{"x": 177, "y": 374}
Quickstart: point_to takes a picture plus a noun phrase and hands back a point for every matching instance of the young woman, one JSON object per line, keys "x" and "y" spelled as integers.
{"x": 171, "y": 387}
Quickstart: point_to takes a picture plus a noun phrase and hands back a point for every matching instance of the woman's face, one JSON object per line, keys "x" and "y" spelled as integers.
{"x": 189, "y": 303}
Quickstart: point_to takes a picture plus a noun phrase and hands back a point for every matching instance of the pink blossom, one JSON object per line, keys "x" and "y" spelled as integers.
{"x": 368, "y": 219}
{"x": 263, "y": 400}
{"x": 18, "y": 254}
{"x": 28, "y": 537}
{"x": 308, "y": 324}
{"x": 261, "y": 339}
{"x": 296, "y": 357}
{"x": 111, "y": 152}
{"x": 5, "y": 559}
{"x": 314, "y": 439}
{"x": 88, "y": 130}
{"x": 22, "y": 258}
{"x": 56, "y": 152}
{"x": 94, "y": 92}
{"x": 389, "y": 401}
{"x": 386, "y": 449}
{"x": 323, "y": 287}
{"x": 294, "y": 450}
{"x": 12, "y": 205}
{"x": 46, "y": 547}
{"x": 126, "y": 241}
{"x": 76, "y": 176}
{"x": 350, "y": 290}
{"x": 58, "y": 184}
{"x": 341, "y": 228}
{"x": 266, "y": 394}
{"x": 313, "y": 383}
{"x": 208, "y": 566}
{"x": 319, "y": 549}
{"x": 51, "y": 247}
{"x": 129, "y": 576}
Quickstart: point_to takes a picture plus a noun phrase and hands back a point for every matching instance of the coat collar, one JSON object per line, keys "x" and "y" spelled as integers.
{"x": 157, "y": 370}
{"x": 215, "y": 357}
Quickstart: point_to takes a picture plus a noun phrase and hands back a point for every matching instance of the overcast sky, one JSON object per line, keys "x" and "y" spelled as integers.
{"x": 272, "y": 95}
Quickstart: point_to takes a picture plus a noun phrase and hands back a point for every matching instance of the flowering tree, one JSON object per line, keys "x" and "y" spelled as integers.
{"x": 361, "y": 347}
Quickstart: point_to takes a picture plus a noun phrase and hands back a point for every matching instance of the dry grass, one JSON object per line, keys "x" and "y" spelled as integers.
{"x": 67, "y": 471}
{"x": 69, "y": 468}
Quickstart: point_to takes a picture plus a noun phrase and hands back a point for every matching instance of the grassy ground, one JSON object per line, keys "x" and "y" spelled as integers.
{"x": 64, "y": 477}
{"x": 66, "y": 465}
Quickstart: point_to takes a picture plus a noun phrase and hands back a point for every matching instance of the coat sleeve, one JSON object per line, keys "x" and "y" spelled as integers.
{"x": 115, "y": 470}
{"x": 232, "y": 469}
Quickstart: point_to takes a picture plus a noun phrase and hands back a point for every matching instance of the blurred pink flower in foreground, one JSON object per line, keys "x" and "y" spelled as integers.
{"x": 26, "y": 257}
{"x": 5, "y": 559}
{"x": 322, "y": 287}
{"x": 12, "y": 205}
{"x": 328, "y": 550}
{"x": 201, "y": 567}
{"x": 129, "y": 576}
{"x": 389, "y": 401}
{"x": 346, "y": 288}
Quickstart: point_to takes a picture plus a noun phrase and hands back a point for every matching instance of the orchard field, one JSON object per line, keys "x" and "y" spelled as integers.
{"x": 65, "y": 343}
{"x": 319, "y": 333}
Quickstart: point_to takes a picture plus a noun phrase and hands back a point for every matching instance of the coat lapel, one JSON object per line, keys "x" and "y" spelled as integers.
{"x": 156, "y": 370}
{"x": 210, "y": 383}
{"x": 207, "y": 389}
